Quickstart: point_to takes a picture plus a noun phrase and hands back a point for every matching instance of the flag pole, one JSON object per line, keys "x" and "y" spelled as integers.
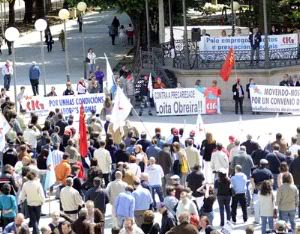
{"x": 140, "y": 119}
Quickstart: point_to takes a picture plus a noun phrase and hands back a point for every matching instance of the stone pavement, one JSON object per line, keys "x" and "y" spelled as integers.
{"x": 261, "y": 127}
{"x": 96, "y": 37}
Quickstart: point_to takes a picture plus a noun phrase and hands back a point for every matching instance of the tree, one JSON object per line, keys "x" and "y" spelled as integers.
{"x": 28, "y": 11}
{"x": 39, "y": 9}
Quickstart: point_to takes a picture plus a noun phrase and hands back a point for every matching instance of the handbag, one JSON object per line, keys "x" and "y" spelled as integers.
{"x": 87, "y": 60}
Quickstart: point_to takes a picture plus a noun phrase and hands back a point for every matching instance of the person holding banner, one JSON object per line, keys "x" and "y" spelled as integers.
{"x": 238, "y": 96}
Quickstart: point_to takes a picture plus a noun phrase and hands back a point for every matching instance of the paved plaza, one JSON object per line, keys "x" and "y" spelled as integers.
{"x": 262, "y": 127}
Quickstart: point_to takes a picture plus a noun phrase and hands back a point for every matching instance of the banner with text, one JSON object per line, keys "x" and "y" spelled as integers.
{"x": 284, "y": 41}
{"x": 185, "y": 101}
{"x": 67, "y": 104}
{"x": 279, "y": 99}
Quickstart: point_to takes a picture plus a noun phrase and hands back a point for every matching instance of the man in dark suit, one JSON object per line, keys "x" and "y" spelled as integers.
{"x": 238, "y": 96}
{"x": 255, "y": 40}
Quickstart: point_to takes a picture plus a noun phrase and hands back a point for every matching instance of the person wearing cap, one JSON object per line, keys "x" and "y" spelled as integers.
{"x": 34, "y": 76}
{"x": 259, "y": 175}
{"x": 143, "y": 201}
{"x": 250, "y": 145}
{"x": 238, "y": 96}
{"x": 167, "y": 220}
{"x": 193, "y": 155}
{"x": 175, "y": 181}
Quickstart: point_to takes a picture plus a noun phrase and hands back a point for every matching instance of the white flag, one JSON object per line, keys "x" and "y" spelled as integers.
{"x": 110, "y": 83}
{"x": 150, "y": 86}
{"x": 121, "y": 109}
{"x": 4, "y": 128}
{"x": 199, "y": 123}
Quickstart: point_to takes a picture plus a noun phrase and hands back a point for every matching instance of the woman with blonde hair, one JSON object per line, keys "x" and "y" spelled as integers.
{"x": 180, "y": 158}
{"x": 207, "y": 147}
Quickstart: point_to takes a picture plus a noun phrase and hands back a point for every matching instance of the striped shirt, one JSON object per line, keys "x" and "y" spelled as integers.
{"x": 57, "y": 156}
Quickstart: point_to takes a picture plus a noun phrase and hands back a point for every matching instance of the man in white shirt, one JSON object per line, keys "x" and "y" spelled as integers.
{"x": 31, "y": 134}
{"x": 219, "y": 159}
{"x": 294, "y": 147}
{"x": 155, "y": 173}
{"x": 70, "y": 199}
{"x": 104, "y": 160}
{"x": 7, "y": 72}
{"x": 57, "y": 155}
{"x": 193, "y": 155}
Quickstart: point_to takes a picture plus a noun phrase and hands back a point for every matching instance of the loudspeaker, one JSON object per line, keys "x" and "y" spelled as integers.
{"x": 196, "y": 34}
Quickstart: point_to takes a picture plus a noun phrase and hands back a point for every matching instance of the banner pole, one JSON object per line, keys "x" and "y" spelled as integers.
{"x": 140, "y": 119}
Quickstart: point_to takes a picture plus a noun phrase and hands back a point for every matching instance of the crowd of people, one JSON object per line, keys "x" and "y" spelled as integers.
{"x": 178, "y": 176}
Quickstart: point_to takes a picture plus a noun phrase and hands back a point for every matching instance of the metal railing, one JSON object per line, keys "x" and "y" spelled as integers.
{"x": 162, "y": 57}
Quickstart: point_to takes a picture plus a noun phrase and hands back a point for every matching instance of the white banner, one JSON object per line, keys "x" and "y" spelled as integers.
{"x": 284, "y": 41}
{"x": 183, "y": 101}
{"x": 279, "y": 99}
{"x": 67, "y": 104}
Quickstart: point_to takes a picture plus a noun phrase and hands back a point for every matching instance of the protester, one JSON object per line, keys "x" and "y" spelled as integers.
{"x": 34, "y": 76}
{"x": 255, "y": 40}
{"x": 238, "y": 96}
{"x": 266, "y": 206}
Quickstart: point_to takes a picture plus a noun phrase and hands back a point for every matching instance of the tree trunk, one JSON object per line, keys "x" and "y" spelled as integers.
{"x": 39, "y": 9}
{"x": 11, "y": 17}
{"x": 28, "y": 11}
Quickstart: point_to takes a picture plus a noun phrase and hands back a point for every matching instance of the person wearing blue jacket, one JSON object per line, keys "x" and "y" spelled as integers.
{"x": 8, "y": 205}
{"x": 34, "y": 76}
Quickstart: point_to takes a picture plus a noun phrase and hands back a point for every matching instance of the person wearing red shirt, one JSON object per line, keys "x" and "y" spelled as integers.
{"x": 159, "y": 84}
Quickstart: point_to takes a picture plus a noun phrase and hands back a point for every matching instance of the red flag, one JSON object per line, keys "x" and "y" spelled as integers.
{"x": 83, "y": 144}
{"x": 227, "y": 65}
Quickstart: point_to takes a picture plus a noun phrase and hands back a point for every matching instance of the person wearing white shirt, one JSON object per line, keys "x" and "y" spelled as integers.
{"x": 219, "y": 159}
{"x": 33, "y": 193}
{"x": 155, "y": 173}
{"x": 70, "y": 199}
{"x": 91, "y": 60}
{"x": 31, "y": 135}
{"x": 193, "y": 155}
{"x": 294, "y": 147}
{"x": 7, "y": 72}
{"x": 104, "y": 160}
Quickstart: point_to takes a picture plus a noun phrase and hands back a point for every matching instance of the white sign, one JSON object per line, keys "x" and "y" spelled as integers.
{"x": 278, "y": 99}
{"x": 67, "y": 104}
{"x": 183, "y": 101}
{"x": 284, "y": 41}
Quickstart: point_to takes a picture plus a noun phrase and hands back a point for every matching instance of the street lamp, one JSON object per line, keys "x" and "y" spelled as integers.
{"x": 40, "y": 25}
{"x": 148, "y": 26}
{"x": 12, "y": 34}
{"x": 81, "y": 6}
{"x": 234, "y": 7}
{"x": 64, "y": 14}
